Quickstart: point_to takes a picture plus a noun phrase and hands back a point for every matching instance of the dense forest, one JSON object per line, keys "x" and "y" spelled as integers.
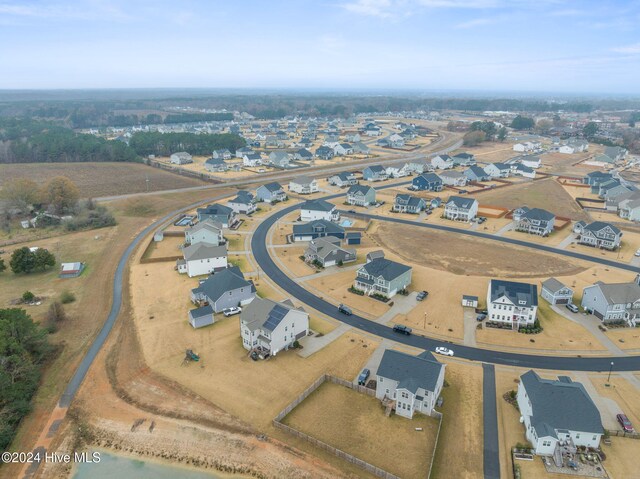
{"x": 23, "y": 350}
{"x": 163, "y": 144}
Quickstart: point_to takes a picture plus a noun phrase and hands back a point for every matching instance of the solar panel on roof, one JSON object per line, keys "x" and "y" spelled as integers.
{"x": 275, "y": 316}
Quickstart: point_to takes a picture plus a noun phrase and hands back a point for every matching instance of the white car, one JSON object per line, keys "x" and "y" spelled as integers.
{"x": 231, "y": 311}
{"x": 637, "y": 253}
{"x": 444, "y": 351}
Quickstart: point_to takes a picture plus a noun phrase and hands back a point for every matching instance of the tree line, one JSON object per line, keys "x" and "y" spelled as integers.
{"x": 164, "y": 144}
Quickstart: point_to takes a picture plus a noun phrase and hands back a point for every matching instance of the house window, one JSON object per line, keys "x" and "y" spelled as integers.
{"x": 593, "y": 438}
{"x": 577, "y": 436}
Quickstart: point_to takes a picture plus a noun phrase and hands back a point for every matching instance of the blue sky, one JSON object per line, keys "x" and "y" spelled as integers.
{"x": 494, "y": 45}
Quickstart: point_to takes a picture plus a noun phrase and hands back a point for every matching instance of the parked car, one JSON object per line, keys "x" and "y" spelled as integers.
{"x": 351, "y": 211}
{"x": 482, "y": 219}
{"x": 482, "y": 311}
{"x": 345, "y": 310}
{"x": 462, "y": 192}
{"x": 625, "y": 423}
{"x": 422, "y": 295}
{"x": 637, "y": 253}
{"x": 401, "y": 328}
{"x": 481, "y": 317}
{"x": 572, "y": 307}
{"x": 231, "y": 311}
{"x": 444, "y": 351}
{"x": 364, "y": 375}
{"x": 428, "y": 212}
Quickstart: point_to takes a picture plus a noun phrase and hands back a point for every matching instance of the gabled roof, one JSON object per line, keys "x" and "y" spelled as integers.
{"x": 477, "y": 171}
{"x": 520, "y": 294}
{"x": 215, "y": 161}
{"x": 620, "y": 293}
{"x": 364, "y": 189}
{"x": 311, "y": 227}
{"x": 464, "y": 155}
{"x": 263, "y": 313}
{"x": 553, "y": 285}
{"x": 538, "y": 214}
{"x": 220, "y": 283}
{"x": 501, "y": 166}
{"x": 376, "y": 169}
{"x": 452, "y": 174}
{"x": 204, "y": 251}
{"x": 345, "y": 175}
{"x": 208, "y": 224}
{"x": 253, "y": 156}
{"x": 595, "y": 174}
{"x": 462, "y": 202}
{"x": 600, "y": 225}
{"x": 273, "y": 187}
{"x": 429, "y": 177}
{"x": 215, "y": 210}
{"x": 201, "y": 311}
{"x": 389, "y": 270}
{"x": 411, "y": 372}
{"x": 302, "y": 180}
{"x": 560, "y": 405}
{"x": 317, "y": 205}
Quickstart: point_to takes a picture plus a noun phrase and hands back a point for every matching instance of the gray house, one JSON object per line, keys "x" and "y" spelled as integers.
{"x": 216, "y": 165}
{"x": 409, "y": 384}
{"x": 343, "y": 179}
{"x": 328, "y": 252}
{"x": 613, "y": 302}
{"x": 279, "y": 159}
{"x": 409, "y": 204}
{"x": 460, "y": 208}
{"x": 220, "y": 213}
{"x": 224, "y": 289}
{"x": 244, "y": 203}
{"x": 317, "y": 229}
{"x": 201, "y": 317}
{"x": 475, "y": 173}
{"x": 600, "y": 235}
{"x": 383, "y": 276}
{"x": 361, "y": 195}
{"x": 375, "y": 173}
{"x": 534, "y": 220}
{"x": 427, "y": 182}
{"x": 271, "y": 193}
{"x": 207, "y": 231}
{"x": 555, "y": 292}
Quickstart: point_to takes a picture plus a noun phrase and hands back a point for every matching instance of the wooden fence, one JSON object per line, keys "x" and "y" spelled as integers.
{"x": 632, "y": 435}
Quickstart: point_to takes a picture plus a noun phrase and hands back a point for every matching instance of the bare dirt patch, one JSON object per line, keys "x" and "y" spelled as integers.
{"x": 470, "y": 256}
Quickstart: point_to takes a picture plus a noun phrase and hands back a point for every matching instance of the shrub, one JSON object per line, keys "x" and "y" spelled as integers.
{"x": 99, "y": 217}
{"x": 67, "y": 297}
{"x": 28, "y": 296}
{"x": 296, "y": 344}
{"x": 56, "y": 313}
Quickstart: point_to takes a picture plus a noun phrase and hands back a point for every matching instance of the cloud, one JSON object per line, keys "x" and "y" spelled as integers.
{"x": 632, "y": 49}
{"x": 87, "y": 10}
{"x": 476, "y": 22}
{"x": 373, "y": 8}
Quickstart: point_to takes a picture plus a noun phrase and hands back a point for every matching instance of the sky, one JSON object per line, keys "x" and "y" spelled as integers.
{"x": 570, "y": 46}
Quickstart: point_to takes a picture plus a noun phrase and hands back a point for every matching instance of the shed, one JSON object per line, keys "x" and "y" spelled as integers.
{"x": 201, "y": 317}
{"x": 353, "y": 237}
{"x": 469, "y": 301}
{"x": 158, "y": 236}
{"x": 71, "y": 270}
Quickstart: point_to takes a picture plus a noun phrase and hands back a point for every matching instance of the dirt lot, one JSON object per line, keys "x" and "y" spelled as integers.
{"x": 102, "y": 179}
{"x": 492, "y": 152}
{"x": 467, "y": 256}
{"x": 546, "y": 194}
{"x": 460, "y": 446}
{"x": 365, "y": 432}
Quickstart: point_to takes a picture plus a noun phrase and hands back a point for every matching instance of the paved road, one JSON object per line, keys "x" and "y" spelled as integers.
{"x": 490, "y": 423}
{"x": 568, "y": 363}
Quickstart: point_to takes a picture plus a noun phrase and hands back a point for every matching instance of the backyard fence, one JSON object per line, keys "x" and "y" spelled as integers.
{"x": 632, "y": 435}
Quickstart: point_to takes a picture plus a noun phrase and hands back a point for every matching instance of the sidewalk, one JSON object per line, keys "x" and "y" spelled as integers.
{"x": 375, "y": 358}
{"x": 567, "y": 241}
{"x": 504, "y": 229}
{"x": 313, "y": 344}
{"x": 401, "y": 305}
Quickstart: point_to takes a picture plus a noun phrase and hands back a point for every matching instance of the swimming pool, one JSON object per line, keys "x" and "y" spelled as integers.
{"x": 346, "y": 223}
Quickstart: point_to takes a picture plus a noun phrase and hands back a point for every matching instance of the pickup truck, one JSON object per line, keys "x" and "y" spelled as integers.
{"x": 345, "y": 310}
{"x": 401, "y": 328}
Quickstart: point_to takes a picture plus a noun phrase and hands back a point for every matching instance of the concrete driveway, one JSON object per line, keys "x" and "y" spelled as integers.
{"x": 470, "y": 325}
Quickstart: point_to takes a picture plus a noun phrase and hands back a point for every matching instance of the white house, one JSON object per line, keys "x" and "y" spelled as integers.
{"x": 442, "y": 162}
{"x": 558, "y": 415}
{"x": 409, "y": 384}
{"x": 318, "y": 210}
{"x": 453, "y": 178}
{"x": 252, "y": 159}
{"x": 181, "y": 158}
{"x": 532, "y": 161}
{"x": 303, "y": 185}
{"x": 207, "y": 231}
{"x": 527, "y": 146}
{"x": 498, "y": 170}
{"x": 268, "y": 327}
{"x": 202, "y": 258}
{"x": 461, "y": 208}
{"x": 512, "y": 303}
{"x": 397, "y": 171}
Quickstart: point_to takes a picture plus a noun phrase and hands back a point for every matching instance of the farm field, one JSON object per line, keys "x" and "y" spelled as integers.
{"x": 101, "y": 179}
{"x": 356, "y": 424}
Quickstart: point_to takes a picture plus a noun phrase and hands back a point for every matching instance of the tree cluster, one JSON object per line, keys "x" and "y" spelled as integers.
{"x": 23, "y": 260}
{"x": 164, "y": 144}
{"x": 522, "y": 123}
{"x": 59, "y": 194}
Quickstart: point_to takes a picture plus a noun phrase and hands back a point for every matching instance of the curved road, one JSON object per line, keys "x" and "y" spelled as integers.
{"x": 266, "y": 263}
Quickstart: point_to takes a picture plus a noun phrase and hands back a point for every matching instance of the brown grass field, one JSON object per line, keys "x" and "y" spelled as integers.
{"x": 547, "y": 194}
{"x": 365, "y": 432}
{"x": 101, "y": 179}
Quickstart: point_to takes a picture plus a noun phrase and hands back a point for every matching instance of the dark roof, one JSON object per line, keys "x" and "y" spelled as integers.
{"x": 364, "y": 189}
{"x": 376, "y": 168}
{"x": 409, "y": 200}
{"x": 345, "y": 175}
{"x": 215, "y": 210}
{"x": 538, "y": 214}
{"x": 201, "y": 312}
{"x": 430, "y": 177}
{"x": 222, "y": 282}
{"x": 386, "y": 268}
{"x": 311, "y": 227}
{"x": 411, "y": 372}
{"x": 273, "y": 187}
{"x": 560, "y": 405}
{"x": 516, "y": 292}
{"x": 464, "y": 155}
{"x": 353, "y": 234}
{"x": 553, "y": 285}
{"x": 317, "y": 205}
{"x": 215, "y": 161}
{"x": 461, "y": 202}
{"x": 476, "y": 170}
{"x": 599, "y": 174}
{"x": 599, "y": 225}
{"x": 469, "y": 297}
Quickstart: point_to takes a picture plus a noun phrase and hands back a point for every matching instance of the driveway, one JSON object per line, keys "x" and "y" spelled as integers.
{"x": 504, "y": 229}
{"x": 470, "y": 325}
{"x": 490, "y": 423}
{"x": 608, "y": 407}
{"x": 567, "y": 241}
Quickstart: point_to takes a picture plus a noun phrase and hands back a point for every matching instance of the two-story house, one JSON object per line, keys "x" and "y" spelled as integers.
{"x": 219, "y": 213}
{"x": 558, "y": 415}
{"x": 328, "y": 252}
{"x": 268, "y": 327}
{"x": 442, "y": 162}
{"x": 453, "y": 178}
{"x": 556, "y": 292}
{"x": 375, "y": 173}
{"x": 343, "y": 179}
{"x": 318, "y": 210}
{"x": 600, "y": 235}
{"x": 535, "y": 221}
{"x": 460, "y": 208}
{"x": 475, "y": 173}
{"x": 317, "y": 229}
{"x": 614, "y": 301}
{"x": 244, "y": 203}
{"x": 361, "y": 195}
{"x": 498, "y": 170}
{"x": 181, "y": 158}
{"x": 252, "y": 159}
{"x": 303, "y": 185}
{"x": 409, "y": 204}
{"x": 207, "y": 231}
{"x": 216, "y": 165}
{"x": 271, "y": 193}
{"x": 427, "y": 182}
{"x": 382, "y": 276}
{"x": 512, "y": 303}
{"x": 464, "y": 159}
{"x": 409, "y": 384}
{"x": 280, "y": 159}
{"x": 202, "y": 258}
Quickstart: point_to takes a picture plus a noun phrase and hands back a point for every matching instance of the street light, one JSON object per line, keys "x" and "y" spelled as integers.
{"x": 610, "y": 368}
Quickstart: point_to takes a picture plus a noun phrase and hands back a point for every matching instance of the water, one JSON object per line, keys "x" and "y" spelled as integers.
{"x": 122, "y": 467}
{"x": 346, "y": 223}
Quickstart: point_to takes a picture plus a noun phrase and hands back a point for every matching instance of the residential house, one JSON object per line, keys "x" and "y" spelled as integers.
{"x": 317, "y": 229}
{"x": 556, "y": 292}
{"x": 615, "y": 302}
{"x": 361, "y": 195}
{"x": 328, "y": 252}
{"x": 527, "y": 146}
{"x": 352, "y": 137}
{"x": 616, "y": 153}
{"x": 360, "y": 148}
{"x": 343, "y": 179}
{"x": 596, "y": 178}
{"x": 225, "y": 289}
{"x": 353, "y": 237}
{"x": 252, "y": 159}
{"x": 453, "y": 178}
{"x": 469, "y": 301}
{"x": 464, "y": 159}
{"x": 372, "y": 130}
{"x": 442, "y": 162}
{"x": 557, "y": 415}
{"x": 245, "y": 150}
{"x": 181, "y": 158}
{"x": 271, "y": 193}
{"x": 303, "y": 185}
{"x": 574, "y": 145}
{"x": 383, "y": 277}
{"x": 534, "y": 220}
{"x": 512, "y": 303}
{"x": 427, "y": 182}
{"x": 391, "y": 141}
{"x": 498, "y": 170}
{"x": 417, "y": 166}
{"x": 220, "y": 213}
{"x": 530, "y": 161}
{"x": 600, "y": 235}
{"x": 375, "y": 254}
{"x": 475, "y": 173}
{"x": 523, "y": 170}
{"x": 280, "y": 159}
{"x": 396, "y": 171}
{"x": 201, "y": 316}
{"x": 342, "y": 149}
{"x": 409, "y": 204}
{"x": 312, "y": 210}
{"x": 216, "y": 165}
{"x": 325, "y": 153}
{"x": 303, "y": 155}
{"x": 207, "y": 231}
{"x": 460, "y": 208}
{"x": 202, "y": 258}
{"x": 375, "y": 173}
{"x": 244, "y": 203}
{"x": 409, "y": 384}
{"x": 629, "y": 207}
{"x": 223, "y": 154}
{"x": 268, "y": 327}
